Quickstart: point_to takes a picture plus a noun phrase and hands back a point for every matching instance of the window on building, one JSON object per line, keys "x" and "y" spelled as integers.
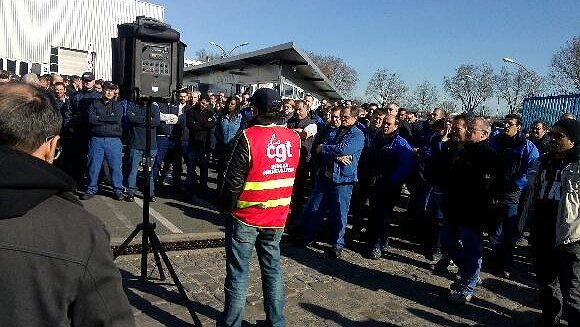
{"x": 36, "y": 68}
{"x": 11, "y": 66}
{"x": 54, "y": 59}
{"x": 23, "y": 68}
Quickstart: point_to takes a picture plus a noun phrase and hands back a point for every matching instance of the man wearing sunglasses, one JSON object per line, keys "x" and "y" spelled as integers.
{"x": 552, "y": 207}
{"x": 57, "y": 266}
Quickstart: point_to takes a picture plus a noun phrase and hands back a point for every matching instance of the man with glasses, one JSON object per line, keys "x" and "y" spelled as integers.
{"x": 337, "y": 172}
{"x": 104, "y": 119}
{"x": 552, "y": 208}
{"x": 57, "y": 265}
{"x": 517, "y": 156}
{"x": 467, "y": 196}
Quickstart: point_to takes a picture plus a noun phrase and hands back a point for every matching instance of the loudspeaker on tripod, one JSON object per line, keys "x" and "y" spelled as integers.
{"x": 147, "y": 59}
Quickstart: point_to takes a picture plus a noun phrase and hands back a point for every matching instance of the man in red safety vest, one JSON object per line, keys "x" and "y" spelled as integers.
{"x": 256, "y": 196}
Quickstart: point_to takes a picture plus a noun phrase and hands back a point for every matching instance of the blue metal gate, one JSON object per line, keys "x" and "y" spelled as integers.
{"x": 549, "y": 108}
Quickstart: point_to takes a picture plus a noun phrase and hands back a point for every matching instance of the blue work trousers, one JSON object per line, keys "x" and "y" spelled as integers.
{"x": 99, "y": 149}
{"x": 327, "y": 195}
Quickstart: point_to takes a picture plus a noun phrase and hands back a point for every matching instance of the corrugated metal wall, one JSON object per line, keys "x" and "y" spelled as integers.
{"x": 549, "y": 109}
{"x": 29, "y": 28}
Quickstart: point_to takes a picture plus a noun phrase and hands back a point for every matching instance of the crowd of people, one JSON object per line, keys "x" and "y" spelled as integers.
{"x": 467, "y": 176}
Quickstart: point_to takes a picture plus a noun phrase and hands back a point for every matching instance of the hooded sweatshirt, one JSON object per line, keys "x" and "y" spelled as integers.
{"x": 56, "y": 265}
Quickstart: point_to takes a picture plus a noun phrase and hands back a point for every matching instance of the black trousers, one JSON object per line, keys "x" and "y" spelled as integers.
{"x": 558, "y": 275}
{"x": 383, "y": 198}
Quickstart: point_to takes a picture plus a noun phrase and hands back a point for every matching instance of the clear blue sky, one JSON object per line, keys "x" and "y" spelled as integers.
{"x": 420, "y": 40}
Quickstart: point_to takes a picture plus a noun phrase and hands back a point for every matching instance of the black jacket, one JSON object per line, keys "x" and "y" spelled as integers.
{"x": 200, "y": 124}
{"x": 76, "y": 115}
{"x": 136, "y": 115}
{"x": 55, "y": 261}
{"x": 468, "y": 187}
{"x": 306, "y": 149}
{"x": 105, "y": 118}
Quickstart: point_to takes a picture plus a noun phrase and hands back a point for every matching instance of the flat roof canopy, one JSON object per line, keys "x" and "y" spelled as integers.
{"x": 285, "y": 59}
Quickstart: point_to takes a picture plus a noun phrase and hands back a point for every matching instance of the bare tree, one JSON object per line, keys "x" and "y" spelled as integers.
{"x": 342, "y": 75}
{"x": 204, "y": 55}
{"x": 424, "y": 97}
{"x": 471, "y": 85}
{"x": 448, "y": 106}
{"x": 385, "y": 87}
{"x": 513, "y": 87}
{"x": 565, "y": 72}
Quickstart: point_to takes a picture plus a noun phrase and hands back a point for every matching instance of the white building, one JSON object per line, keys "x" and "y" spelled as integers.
{"x": 64, "y": 36}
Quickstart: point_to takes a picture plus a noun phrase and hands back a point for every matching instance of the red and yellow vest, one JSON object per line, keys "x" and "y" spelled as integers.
{"x": 274, "y": 152}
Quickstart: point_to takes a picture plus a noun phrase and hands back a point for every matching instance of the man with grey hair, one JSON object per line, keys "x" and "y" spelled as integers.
{"x": 467, "y": 197}
{"x": 337, "y": 172}
{"x": 57, "y": 265}
{"x": 31, "y": 79}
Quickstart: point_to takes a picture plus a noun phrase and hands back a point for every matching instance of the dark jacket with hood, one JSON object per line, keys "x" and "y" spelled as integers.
{"x": 56, "y": 266}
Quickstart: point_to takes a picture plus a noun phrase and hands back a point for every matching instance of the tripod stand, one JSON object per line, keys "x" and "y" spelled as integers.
{"x": 149, "y": 237}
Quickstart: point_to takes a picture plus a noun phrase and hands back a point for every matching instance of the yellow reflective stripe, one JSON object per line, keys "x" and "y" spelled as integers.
{"x": 269, "y": 185}
{"x": 264, "y": 204}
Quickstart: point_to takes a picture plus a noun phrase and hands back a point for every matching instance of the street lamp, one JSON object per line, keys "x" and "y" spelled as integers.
{"x": 227, "y": 54}
{"x": 511, "y": 61}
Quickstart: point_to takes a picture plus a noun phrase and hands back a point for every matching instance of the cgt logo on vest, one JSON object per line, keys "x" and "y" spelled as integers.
{"x": 277, "y": 150}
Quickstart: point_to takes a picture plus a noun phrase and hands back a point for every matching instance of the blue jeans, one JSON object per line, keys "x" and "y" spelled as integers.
{"x": 504, "y": 239}
{"x": 327, "y": 195}
{"x": 99, "y": 149}
{"x": 135, "y": 158}
{"x": 465, "y": 247}
{"x": 240, "y": 242}
{"x": 164, "y": 145}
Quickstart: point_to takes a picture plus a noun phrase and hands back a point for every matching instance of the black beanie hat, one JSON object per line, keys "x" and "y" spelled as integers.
{"x": 571, "y": 128}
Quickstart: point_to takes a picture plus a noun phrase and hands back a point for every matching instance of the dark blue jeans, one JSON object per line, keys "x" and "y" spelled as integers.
{"x": 465, "y": 247}
{"x": 327, "y": 195}
{"x": 99, "y": 149}
{"x": 240, "y": 242}
{"x": 135, "y": 158}
{"x": 164, "y": 145}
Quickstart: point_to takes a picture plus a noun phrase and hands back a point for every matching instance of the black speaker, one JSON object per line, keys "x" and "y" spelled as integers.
{"x": 147, "y": 59}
